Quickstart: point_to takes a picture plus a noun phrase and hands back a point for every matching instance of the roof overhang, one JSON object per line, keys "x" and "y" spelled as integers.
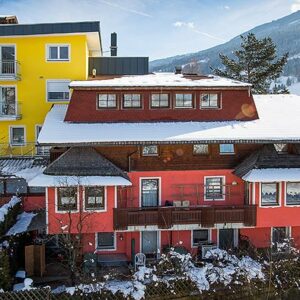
{"x": 273, "y": 175}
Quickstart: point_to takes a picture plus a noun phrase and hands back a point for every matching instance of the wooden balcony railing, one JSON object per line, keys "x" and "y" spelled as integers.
{"x": 166, "y": 217}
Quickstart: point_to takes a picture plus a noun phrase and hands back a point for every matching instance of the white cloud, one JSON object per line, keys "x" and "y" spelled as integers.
{"x": 227, "y": 7}
{"x": 295, "y": 6}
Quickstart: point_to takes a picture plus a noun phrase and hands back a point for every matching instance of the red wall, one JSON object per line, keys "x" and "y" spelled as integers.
{"x": 92, "y": 222}
{"x": 236, "y": 104}
{"x": 31, "y": 203}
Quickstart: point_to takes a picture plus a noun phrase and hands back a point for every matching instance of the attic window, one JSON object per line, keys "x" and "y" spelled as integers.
{"x": 281, "y": 148}
{"x": 151, "y": 150}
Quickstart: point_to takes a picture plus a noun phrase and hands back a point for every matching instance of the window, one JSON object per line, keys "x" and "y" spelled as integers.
{"x": 200, "y": 149}
{"x": 58, "y": 53}
{"x": 200, "y": 237}
{"x": 106, "y": 240}
{"x": 159, "y": 100}
{"x": 40, "y": 150}
{"x": 7, "y": 58}
{"x": 94, "y": 198}
{"x": 280, "y": 235}
{"x": 293, "y": 193}
{"x": 214, "y": 188}
{"x": 8, "y": 105}
{"x": 269, "y": 194}
{"x": 107, "y": 100}
{"x": 132, "y": 101}
{"x": 281, "y": 148}
{"x": 184, "y": 100}
{"x": 17, "y": 136}
{"x": 66, "y": 198}
{"x": 151, "y": 150}
{"x": 210, "y": 101}
{"x": 226, "y": 149}
{"x": 149, "y": 192}
{"x": 58, "y": 90}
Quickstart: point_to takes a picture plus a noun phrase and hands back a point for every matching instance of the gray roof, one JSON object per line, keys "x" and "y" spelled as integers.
{"x": 267, "y": 157}
{"x": 49, "y": 28}
{"x": 83, "y": 161}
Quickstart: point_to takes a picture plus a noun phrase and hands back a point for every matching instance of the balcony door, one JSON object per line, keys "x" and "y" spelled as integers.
{"x": 227, "y": 239}
{"x": 8, "y": 101}
{"x": 7, "y": 54}
{"x": 150, "y": 243}
{"x": 149, "y": 192}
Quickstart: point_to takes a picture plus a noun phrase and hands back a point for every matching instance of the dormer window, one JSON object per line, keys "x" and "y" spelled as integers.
{"x": 132, "y": 101}
{"x": 160, "y": 100}
{"x": 210, "y": 100}
{"x": 184, "y": 100}
{"x": 281, "y": 148}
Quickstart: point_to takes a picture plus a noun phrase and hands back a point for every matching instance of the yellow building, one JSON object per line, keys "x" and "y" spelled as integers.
{"x": 37, "y": 62}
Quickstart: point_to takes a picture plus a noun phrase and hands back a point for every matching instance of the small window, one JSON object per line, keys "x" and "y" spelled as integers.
{"x": 269, "y": 194}
{"x": 281, "y": 148}
{"x": 132, "y": 101}
{"x": 200, "y": 149}
{"x": 200, "y": 237}
{"x": 210, "y": 101}
{"x": 226, "y": 149}
{"x": 107, "y": 101}
{"x": 58, "y": 91}
{"x": 58, "y": 53}
{"x": 151, "y": 150}
{"x": 293, "y": 193}
{"x": 159, "y": 100}
{"x": 184, "y": 100}
{"x": 17, "y": 136}
{"x": 67, "y": 198}
{"x": 94, "y": 198}
{"x": 106, "y": 240}
{"x": 280, "y": 235}
{"x": 214, "y": 188}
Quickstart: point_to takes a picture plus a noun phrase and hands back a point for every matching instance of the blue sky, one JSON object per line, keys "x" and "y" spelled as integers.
{"x": 157, "y": 28}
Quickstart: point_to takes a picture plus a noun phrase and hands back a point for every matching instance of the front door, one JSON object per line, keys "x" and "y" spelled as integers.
{"x": 149, "y": 192}
{"x": 149, "y": 243}
{"x": 226, "y": 239}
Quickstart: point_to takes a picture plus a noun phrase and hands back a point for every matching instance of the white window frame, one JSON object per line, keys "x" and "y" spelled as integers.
{"x": 154, "y": 154}
{"x": 285, "y": 192}
{"x": 98, "y": 210}
{"x": 223, "y": 188}
{"x": 278, "y": 192}
{"x": 11, "y": 135}
{"x": 57, "y": 100}
{"x": 288, "y": 231}
{"x": 227, "y": 153}
{"x": 192, "y": 236}
{"x": 58, "y": 211}
{"x": 235, "y": 236}
{"x": 140, "y": 189}
{"x": 102, "y": 249}
{"x": 48, "y": 59}
{"x": 158, "y": 241}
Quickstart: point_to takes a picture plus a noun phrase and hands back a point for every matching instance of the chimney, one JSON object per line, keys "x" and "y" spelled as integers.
{"x": 178, "y": 70}
{"x": 113, "y": 44}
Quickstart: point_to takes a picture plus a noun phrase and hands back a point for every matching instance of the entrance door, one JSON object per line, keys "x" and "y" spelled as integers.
{"x": 226, "y": 239}
{"x": 149, "y": 192}
{"x": 149, "y": 243}
{"x": 7, "y": 59}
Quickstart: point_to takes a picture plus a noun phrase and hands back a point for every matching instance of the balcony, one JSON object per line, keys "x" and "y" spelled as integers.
{"x": 26, "y": 149}
{"x": 10, "y": 70}
{"x": 10, "y": 111}
{"x": 166, "y": 217}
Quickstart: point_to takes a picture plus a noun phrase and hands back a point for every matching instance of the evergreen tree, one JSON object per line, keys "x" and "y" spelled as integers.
{"x": 5, "y": 278}
{"x": 256, "y": 63}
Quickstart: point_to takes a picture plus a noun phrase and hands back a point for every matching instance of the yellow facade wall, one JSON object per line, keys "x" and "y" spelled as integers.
{"x": 35, "y": 70}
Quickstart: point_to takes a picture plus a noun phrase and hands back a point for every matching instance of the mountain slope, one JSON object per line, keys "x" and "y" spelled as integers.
{"x": 285, "y": 33}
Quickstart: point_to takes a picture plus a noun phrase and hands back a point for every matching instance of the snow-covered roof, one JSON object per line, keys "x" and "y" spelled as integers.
{"x": 273, "y": 175}
{"x": 23, "y": 221}
{"x": 49, "y": 180}
{"x": 278, "y": 121}
{"x": 161, "y": 80}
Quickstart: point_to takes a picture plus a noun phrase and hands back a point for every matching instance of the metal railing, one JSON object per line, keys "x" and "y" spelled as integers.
{"x": 10, "y": 110}
{"x": 23, "y": 149}
{"x": 9, "y": 69}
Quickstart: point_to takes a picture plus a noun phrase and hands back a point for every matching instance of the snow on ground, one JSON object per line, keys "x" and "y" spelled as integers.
{"x": 23, "y": 221}
{"x": 295, "y": 88}
{"x": 272, "y": 175}
{"x": 6, "y": 207}
{"x": 225, "y": 269}
{"x": 278, "y": 120}
{"x": 160, "y": 79}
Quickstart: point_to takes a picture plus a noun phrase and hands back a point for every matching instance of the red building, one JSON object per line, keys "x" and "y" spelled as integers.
{"x": 152, "y": 161}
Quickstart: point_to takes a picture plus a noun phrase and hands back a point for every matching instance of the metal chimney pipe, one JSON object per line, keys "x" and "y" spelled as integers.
{"x": 113, "y": 44}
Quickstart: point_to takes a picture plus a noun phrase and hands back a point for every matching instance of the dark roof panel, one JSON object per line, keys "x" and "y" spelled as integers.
{"x": 49, "y": 28}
